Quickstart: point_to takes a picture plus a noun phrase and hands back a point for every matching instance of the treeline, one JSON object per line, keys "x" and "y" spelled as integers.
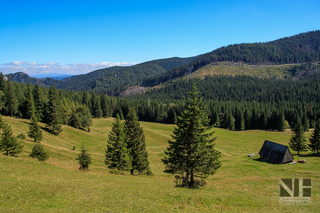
{"x": 236, "y": 103}
{"x": 301, "y": 48}
{"x": 113, "y": 80}
{"x": 51, "y": 106}
{"x": 245, "y": 102}
{"x": 243, "y": 88}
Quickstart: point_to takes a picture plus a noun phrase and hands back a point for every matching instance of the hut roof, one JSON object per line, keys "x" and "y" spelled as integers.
{"x": 276, "y": 152}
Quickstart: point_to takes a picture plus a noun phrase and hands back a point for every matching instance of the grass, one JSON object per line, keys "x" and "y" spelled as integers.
{"x": 242, "y": 184}
{"x": 236, "y": 69}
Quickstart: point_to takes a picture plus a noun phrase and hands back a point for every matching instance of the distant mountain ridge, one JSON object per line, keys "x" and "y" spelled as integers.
{"x": 110, "y": 80}
{"x": 298, "y": 49}
{"x": 304, "y": 47}
{"x": 23, "y": 78}
{"x": 57, "y": 76}
{"x": 116, "y": 79}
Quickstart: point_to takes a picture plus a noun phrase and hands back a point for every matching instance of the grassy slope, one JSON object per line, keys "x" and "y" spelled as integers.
{"x": 241, "y": 184}
{"x": 233, "y": 69}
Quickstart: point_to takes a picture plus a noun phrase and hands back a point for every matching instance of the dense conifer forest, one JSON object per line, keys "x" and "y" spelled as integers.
{"x": 235, "y": 103}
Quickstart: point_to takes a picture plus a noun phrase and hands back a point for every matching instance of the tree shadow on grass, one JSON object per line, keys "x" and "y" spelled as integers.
{"x": 305, "y": 155}
{"x": 43, "y": 128}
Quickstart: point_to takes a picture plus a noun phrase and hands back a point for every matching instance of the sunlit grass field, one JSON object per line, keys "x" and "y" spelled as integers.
{"x": 236, "y": 69}
{"x": 242, "y": 184}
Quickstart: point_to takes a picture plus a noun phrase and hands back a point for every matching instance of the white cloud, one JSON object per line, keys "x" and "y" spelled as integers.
{"x": 18, "y": 63}
{"x": 33, "y": 64}
{"x": 34, "y": 68}
{"x": 15, "y": 63}
{"x": 51, "y": 64}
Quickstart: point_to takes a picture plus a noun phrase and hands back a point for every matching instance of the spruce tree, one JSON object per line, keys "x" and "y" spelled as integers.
{"x": 11, "y": 103}
{"x": 3, "y": 84}
{"x": 97, "y": 108}
{"x": 191, "y": 153}
{"x": 305, "y": 122}
{"x": 136, "y": 143}
{"x": 84, "y": 158}
{"x": 85, "y": 98}
{"x": 80, "y": 117}
{"x": 38, "y": 102}
{"x": 281, "y": 122}
{"x": 1, "y": 122}
{"x": 121, "y": 114}
{"x": 298, "y": 140}
{"x": 35, "y": 130}
{"x": 29, "y": 103}
{"x": 8, "y": 143}
{"x": 315, "y": 138}
{"x": 53, "y": 112}
{"x": 117, "y": 154}
{"x": 105, "y": 107}
{"x": 39, "y": 152}
{"x": 92, "y": 103}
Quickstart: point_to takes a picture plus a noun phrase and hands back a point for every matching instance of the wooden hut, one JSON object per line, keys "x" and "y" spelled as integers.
{"x": 275, "y": 152}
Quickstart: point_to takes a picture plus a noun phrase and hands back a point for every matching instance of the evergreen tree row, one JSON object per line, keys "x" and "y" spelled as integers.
{"x": 240, "y": 103}
{"x": 126, "y": 149}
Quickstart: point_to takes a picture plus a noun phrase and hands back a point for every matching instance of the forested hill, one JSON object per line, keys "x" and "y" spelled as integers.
{"x": 114, "y": 79}
{"x": 23, "y": 78}
{"x": 109, "y": 80}
{"x": 300, "y": 48}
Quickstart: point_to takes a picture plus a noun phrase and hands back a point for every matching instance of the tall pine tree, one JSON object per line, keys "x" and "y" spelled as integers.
{"x": 3, "y": 84}
{"x": 29, "y": 103}
{"x": 97, "y": 108}
{"x": 11, "y": 103}
{"x": 191, "y": 152}
{"x": 117, "y": 154}
{"x": 53, "y": 112}
{"x": 315, "y": 138}
{"x": 85, "y": 98}
{"x": 297, "y": 141}
{"x": 136, "y": 143}
{"x": 38, "y": 102}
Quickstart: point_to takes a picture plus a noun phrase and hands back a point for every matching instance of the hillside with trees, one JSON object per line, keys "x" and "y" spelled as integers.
{"x": 297, "y": 49}
{"x": 109, "y": 80}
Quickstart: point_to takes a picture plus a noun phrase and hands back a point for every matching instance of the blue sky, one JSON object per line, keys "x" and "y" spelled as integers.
{"x": 65, "y": 36}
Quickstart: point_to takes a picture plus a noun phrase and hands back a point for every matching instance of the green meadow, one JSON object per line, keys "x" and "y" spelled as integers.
{"x": 236, "y": 69}
{"x": 242, "y": 184}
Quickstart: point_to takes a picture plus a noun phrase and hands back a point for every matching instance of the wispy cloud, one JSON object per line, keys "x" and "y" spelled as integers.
{"x": 33, "y": 68}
